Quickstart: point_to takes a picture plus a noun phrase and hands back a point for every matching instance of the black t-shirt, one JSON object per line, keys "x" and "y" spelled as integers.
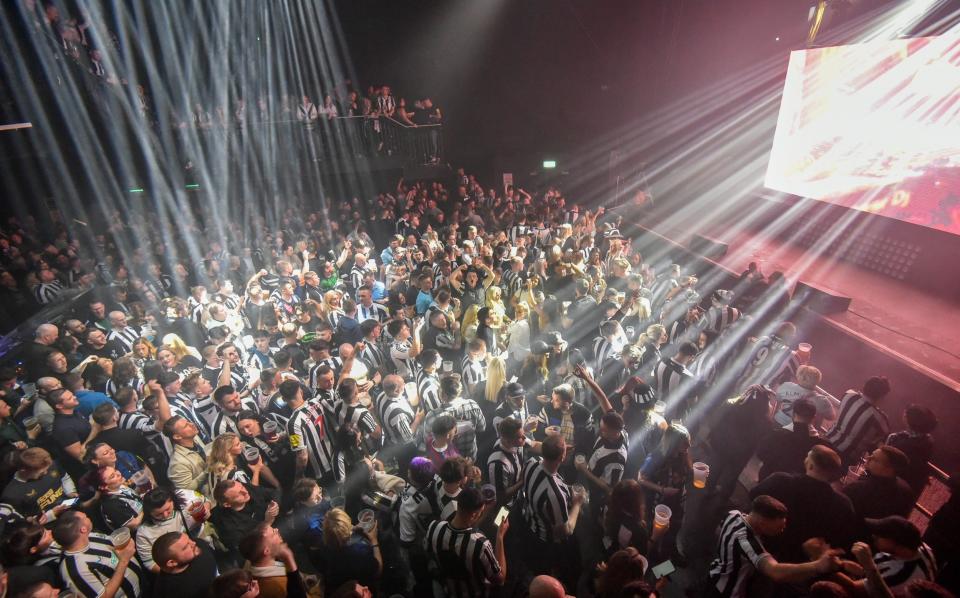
{"x": 194, "y": 582}
{"x": 35, "y": 496}
{"x": 136, "y": 443}
{"x": 67, "y": 430}
{"x": 119, "y": 508}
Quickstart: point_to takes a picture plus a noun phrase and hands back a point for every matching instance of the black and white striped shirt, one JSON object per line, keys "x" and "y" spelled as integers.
{"x": 47, "y": 292}
{"x": 897, "y": 573}
{"x": 465, "y": 557}
{"x": 672, "y": 381}
{"x": 474, "y": 373}
{"x": 372, "y": 355}
{"x": 396, "y": 417}
{"x": 770, "y": 362}
{"x": 89, "y": 571}
{"x": 223, "y": 422}
{"x": 609, "y": 459}
{"x": 356, "y": 277}
{"x": 547, "y": 500}
{"x": 740, "y": 553}
{"x": 357, "y": 415}
{"x": 125, "y": 337}
{"x": 334, "y": 363}
{"x": 182, "y": 405}
{"x": 308, "y": 431}
{"x": 719, "y": 318}
{"x": 374, "y": 312}
{"x": 605, "y": 349}
{"x": 860, "y": 427}
{"x": 503, "y": 469}
{"x": 511, "y": 283}
{"x": 112, "y": 387}
{"x": 516, "y": 231}
{"x": 400, "y": 355}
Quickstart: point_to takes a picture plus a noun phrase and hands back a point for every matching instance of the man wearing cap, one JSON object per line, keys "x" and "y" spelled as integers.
{"x": 901, "y": 557}
{"x": 514, "y": 405}
{"x": 880, "y": 492}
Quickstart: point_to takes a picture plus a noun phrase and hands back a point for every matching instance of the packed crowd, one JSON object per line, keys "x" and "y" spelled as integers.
{"x": 437, "y": 393}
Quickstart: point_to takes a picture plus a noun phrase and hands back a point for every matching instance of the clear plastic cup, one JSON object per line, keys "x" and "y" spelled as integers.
{"x": 338, "y": 502}
{"x": 700, "y": 473}
{"x": 30, "y": 423}
{"x": 531, "y": 424}
{"x": 803, "y": 352}
{"x": 120, "y": 537}
{"x": 580, "y": 459}
{"x": 251, "y": 453}
{"x": 366, "y": 519}
{"x": 662, "y": 515}
{"x": 448, "y": 366}
{"x": 553, "y": 430}
{"x": 141, "y": 481}
{"x": 271, "y": 430}
{"x": 488, "y": 492}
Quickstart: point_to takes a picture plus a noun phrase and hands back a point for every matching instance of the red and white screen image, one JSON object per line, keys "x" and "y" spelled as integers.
{"x": 874, "y": 127}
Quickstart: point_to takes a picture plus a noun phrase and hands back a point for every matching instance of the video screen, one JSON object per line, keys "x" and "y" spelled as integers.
{"x": 874, "y": 127}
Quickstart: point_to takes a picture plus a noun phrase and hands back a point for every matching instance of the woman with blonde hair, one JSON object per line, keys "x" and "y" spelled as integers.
{"x": 225, "y": 461}
{"x": 518, "y": 332}
{"x": 331, "y": 307}
{"x": 180, "y": 348}
{"x": 495, "y": 304}
{"x": 650, "y": 343}
{"x": 350, "y": 553}
{"x": 468, "y": 328}
{"x": 496, "y": 378}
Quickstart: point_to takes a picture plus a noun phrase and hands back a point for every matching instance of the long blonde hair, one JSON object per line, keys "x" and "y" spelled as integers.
{"x": 219, "y": 461}
{"x": 469, "y": 319}
{"x": 496, "y": 378}
{"x": 177, "y": 346}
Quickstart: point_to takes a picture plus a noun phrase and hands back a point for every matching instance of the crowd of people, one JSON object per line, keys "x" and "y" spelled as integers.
{"x": 344, "y": 116}
{"x": 433, "y": 393}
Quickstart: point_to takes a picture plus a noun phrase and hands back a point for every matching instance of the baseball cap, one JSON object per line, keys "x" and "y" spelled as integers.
{"x": 896, "y": 528}
{"x": 515, "y": 389}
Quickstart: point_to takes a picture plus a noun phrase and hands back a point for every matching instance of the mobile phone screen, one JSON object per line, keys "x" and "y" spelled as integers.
{"x": 501, "y": 515}
{"x": 663, "y": 569}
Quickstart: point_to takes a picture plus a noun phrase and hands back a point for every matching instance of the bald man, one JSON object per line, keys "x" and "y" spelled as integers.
{"x": 544, "y": 586}
{"x": 35, "y": 352}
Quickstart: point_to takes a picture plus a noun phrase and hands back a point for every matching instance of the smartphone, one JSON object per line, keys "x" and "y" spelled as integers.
{"x": 69, "y": 502}
{"x": 503, "y": 514}
{"x": 664, "y": 569}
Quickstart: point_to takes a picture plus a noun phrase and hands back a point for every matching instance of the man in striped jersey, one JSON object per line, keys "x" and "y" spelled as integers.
{"x": 608, "y": 345}
{"x": 506, "y": 461}
{"x": 230, "y": 355}
{"x": 901, "y": 558}
{"x": 48, "y": 289}
{"x": 310, "y": 435}
{"x": 467, "y": 413}
{"x": 367, "y": 309}
{"x": 91, "y": 566}
{"x": 474, "y": 369}
{"x": 512, "y": 279}
{"x": 605, "y": 465}
{"x": 320, "y": 355}
{"x": 673, "y": 383}
{"x": 228, "y": 407}
{"x": 467, "y": 562}
{"x": 405, "y": 347}
{"x": 861, "y": 425}
{"x": 550, "y": 511}
{"x": 120, "y": 332}
{"x": 720, "y": 315}
{"x": 185, "y": 404}
{"x": 771, "y": 361}
{"x": 346, "y": 409}
{"x": 428, "y": 382}
{"x": 369, "y": 349}
{"x": 741, "y": 554}
{"x": 396, "y": 418}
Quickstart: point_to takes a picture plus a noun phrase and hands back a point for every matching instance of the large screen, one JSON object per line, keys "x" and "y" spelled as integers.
{"x": 874, "y": 127}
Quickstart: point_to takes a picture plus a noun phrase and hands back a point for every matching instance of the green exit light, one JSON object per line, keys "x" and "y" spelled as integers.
{"x": 193, "y": 186}
{"x": 135, "y": 190}
{"x": 549, "y": 163}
